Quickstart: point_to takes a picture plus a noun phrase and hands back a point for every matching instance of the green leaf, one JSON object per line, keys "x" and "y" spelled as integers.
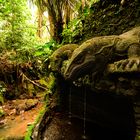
{"x": 39, "y": 53}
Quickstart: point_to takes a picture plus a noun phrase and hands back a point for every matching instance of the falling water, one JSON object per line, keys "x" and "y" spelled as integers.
{"x": 85, "y": 105}
{"x": 70, "y": 113}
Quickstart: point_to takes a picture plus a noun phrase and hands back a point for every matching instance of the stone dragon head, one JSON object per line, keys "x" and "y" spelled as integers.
{"x": 91, "y": 56}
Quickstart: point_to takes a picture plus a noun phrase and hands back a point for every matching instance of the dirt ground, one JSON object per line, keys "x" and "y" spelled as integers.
{"x": 18, "y": 115}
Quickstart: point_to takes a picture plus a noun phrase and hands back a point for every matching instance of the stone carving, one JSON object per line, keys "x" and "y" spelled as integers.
{"x": 106, "y": 63}
{"x": 110, "y": 63}
{"x": 60, "y": 55}
{"x": 96, "y": 53}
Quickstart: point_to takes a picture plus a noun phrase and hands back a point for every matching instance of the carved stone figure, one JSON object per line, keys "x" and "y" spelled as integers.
{"x": 96, "y": 53}
{"x": 60, "y": 55}
{"x": 103, "y": 56}
{"x": 106, "y": 64}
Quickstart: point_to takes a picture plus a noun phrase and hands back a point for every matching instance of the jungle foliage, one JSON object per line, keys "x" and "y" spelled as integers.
{"x": 15, "y": 29}
{"x": 105, "y": 17}
{"x": 22, "y": 55}
{"x": 24, "y": 58}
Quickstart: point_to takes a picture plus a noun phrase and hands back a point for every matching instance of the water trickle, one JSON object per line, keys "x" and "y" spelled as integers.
{"x": 84, "y": 115}
{"x": 70, "y": 113}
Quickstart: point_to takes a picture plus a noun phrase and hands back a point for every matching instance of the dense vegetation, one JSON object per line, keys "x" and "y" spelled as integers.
{"x": 24, "y": 53}
{"x": 103, "y": 18}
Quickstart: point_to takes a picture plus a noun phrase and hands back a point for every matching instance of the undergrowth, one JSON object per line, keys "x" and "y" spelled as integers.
{"x": 103, "y": 18}
{"x": 31, "y": 127}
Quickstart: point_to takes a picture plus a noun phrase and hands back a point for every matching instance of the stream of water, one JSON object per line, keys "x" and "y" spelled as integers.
{"x": 70, "y": 106}
{"x": 69, "y": 126}
{"x": 84, "y": 115}
{"x": 84, "y": 111}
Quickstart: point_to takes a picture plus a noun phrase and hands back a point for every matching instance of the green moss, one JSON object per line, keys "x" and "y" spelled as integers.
{"x": 1, "y": 112}
{"x": 110, "y": 19}
{"x": 29, "y": 132}
{"x": 137, "y": 138}
{"x": 1, "y": 99}
{"x": 31, "y": 127}
{"x": 51, "y": 84}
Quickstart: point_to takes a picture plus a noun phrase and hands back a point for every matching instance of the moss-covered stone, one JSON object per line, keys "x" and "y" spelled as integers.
{"x": 105, "y": 18}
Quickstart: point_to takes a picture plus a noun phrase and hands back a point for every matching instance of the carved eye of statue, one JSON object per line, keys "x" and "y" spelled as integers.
{"x": 79, "y": 59}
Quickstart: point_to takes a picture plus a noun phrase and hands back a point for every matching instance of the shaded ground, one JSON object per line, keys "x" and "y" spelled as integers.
{"x": 61, "y": 128}
{"x": 18, "y": 115}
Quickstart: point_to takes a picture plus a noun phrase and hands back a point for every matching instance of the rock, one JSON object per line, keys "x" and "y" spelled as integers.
{"x": 30, "y": 123}
{"x": 30, "y": 103}
{"x": 20, "y": 106}
{"x": 13, "y": 112}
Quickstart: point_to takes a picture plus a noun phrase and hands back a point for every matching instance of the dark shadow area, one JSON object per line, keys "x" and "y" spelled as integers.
{"x": 107, "y": 116}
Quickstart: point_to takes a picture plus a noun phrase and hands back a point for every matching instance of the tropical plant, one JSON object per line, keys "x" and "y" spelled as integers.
{"x": 75, "y": 27}
{"x": 59, "y": 14}
{"x": 2, "y": 92}
{"x": 15, "y": 28}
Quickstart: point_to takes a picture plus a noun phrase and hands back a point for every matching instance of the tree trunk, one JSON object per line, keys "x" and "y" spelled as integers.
{"x": 83, "y": 4}
{"x": 40, "y": 23}
{"x": 67, "y": 15}
{"x": 56, "y": 21}
{"x": 51, "y": 26}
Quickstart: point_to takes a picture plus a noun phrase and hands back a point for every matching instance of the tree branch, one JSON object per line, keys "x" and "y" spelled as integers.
{"x": 33, "y": 82}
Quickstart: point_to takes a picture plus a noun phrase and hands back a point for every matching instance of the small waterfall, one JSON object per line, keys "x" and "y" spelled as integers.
{"x": 84, "y": 115}
{"x": 70, "y": 113}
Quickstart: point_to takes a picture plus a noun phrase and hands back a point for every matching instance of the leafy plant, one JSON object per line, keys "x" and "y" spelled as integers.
{"x": 15, "y": 29}
{"x": 2, "y": 91}
{"x": 74, "y": 30}
{"x": 1, "y": 112}
{"x": 44, "y": 51}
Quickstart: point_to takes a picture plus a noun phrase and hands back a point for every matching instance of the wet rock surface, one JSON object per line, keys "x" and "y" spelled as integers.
{"x": 62, "y": 128}
{"x": 108, "y": 97}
